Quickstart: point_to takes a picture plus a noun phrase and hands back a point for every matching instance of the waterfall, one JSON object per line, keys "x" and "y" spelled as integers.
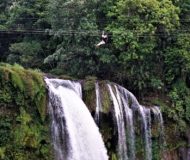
{"x": 159, "y": 119}
{"x": 98, "y": 103}
{"x": 75, "y": 135}
{"x": 128, "y": 114}
{"x": 147, "y": 133}
{"x": 118, "y": 115}
{"x": 130, "y": 103}
{"x": 146, "y": 123}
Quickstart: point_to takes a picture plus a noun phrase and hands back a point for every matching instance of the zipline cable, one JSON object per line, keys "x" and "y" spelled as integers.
{"x": 94, "y": 20}
{"x": 88, "y": 32}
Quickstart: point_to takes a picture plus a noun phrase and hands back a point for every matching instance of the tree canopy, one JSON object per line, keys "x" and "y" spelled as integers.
{"x": 148, "y": 40}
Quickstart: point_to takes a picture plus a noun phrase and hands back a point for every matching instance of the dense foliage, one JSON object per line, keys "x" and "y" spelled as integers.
{"x": 23, "y": 131}
{"x": 148, "y": 50}
{"x": 146, "y": 39}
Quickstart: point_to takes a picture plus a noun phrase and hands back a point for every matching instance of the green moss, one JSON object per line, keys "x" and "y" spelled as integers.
{"x": 24, "y": 87}
{"x": 17, "y": 81}
{"x": 27, "y": 134}
{"x": 114, "y": 156}
{"x": 89, "y": 94}
{"x": 156, "y": 154}
{"x": 105, "y": 96}
{"x": 41, "y": 102}
{"x": 5, "y": 129}
{"x": 89, "y": 83}
{"x": 23, "y": 132}
{"x": 2, "y": 152}
{"x": 5, "y": 96}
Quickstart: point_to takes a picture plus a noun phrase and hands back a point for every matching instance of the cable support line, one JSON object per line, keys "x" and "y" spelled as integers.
{"x": 97, "y": 35}
{"x": 22, "y": 31}
{"x": 137, "y": 36}
{"x": 90, "y": 33}
{"x": 75, "y": 31}
{"x": 82, "y": 31}
{"x": 96, "y": 19}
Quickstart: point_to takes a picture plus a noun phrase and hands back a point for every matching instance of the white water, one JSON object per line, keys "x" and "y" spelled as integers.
{"x": 118, "y": 112}
{"x": 146, "y": 122}
{"x": 159, "y": 119}
{"x": 128, "y": 114}
{"x": 98, "y": 104}
{"x": 148, "y": 132}
{"x": 145, "y": 115}
{"x": 123, "y": 111}
{"x": 75, "y": 86}
{"x": 74, "y": 132}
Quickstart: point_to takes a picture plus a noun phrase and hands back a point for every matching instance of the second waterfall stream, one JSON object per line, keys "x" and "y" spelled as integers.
{"x": 75, "y": 134}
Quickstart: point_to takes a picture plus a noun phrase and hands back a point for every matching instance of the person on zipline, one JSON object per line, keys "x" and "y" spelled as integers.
{"x": 104, "y": 39}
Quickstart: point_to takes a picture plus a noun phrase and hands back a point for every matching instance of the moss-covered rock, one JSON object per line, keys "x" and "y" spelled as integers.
{"x": 89, "y": 94}
{"x": 24, "y": 127}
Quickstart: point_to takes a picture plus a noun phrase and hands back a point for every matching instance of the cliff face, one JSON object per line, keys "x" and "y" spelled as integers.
{"x": 24, "y": 123}
{"x": 24, "y": 128}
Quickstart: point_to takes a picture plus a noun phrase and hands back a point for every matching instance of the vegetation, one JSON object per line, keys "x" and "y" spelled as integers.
{"x": 148, "y": 52}
{"x": 23, "y": 131}
{"x": 148, "y": 48}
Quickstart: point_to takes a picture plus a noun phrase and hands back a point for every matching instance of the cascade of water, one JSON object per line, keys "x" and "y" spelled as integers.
{"x": 74, "y": 132}
{"x": 124, "y": 103}
{"x": 118, "y": 114}
{"x": 146, "y": 122}
{"x": 128, "y": 114}
{"x": 145, "y": 114}
{"x": 149, "y": 134}
{"x": 98, "y": 104}
{"x": 75, "y": 86}
{"x": 159, "y": 119}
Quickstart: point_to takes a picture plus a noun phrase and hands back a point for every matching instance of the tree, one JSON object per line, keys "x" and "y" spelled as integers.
{"x": 137, "y": 27}
{"x": 76, "y": 32}
{"x": 177, "y": 54}
{"x": 4, "y": 7}
{"x": 28, "y": 15}
{"x": 27, "y": 21}
{"x": 25, "y": 53}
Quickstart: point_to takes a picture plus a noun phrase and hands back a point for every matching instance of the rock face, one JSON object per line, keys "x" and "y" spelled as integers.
{"x": 129, "y": 130}
{"x": 24, "y": 128}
